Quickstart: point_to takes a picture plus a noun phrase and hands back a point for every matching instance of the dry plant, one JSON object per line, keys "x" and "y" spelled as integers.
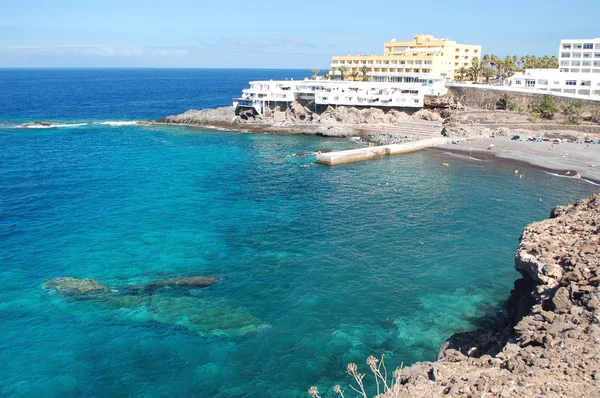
{"x": 377, "y": 367}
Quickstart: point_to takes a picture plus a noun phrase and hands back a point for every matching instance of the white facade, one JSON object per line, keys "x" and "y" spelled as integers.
{"x": 267, "y": 94}
{"x": 578, "y": 74}
{"x": 579, "y": 56}
{"x": 555, "y": 81}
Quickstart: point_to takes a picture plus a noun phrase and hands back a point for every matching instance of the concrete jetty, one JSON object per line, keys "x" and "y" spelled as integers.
{"x": 358, "y": 155}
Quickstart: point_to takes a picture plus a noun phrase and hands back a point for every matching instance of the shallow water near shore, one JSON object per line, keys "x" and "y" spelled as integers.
{"x": 318, "y": 266}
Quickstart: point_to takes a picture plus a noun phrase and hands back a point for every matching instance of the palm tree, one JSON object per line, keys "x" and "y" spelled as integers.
{"x": 364, "y": 70}
{"x": 343, "y": 70}
{"x": 461, "y": 74}
{"x": 488, "y": 73}
{"x": 475, "y": 69}
{"x": 354, "y": 75}
{"x": 315, "y": 72}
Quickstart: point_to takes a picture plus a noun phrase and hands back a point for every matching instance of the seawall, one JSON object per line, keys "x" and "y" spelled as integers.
{"x": 361, "y": 154}
{"x": 481, "y": 96}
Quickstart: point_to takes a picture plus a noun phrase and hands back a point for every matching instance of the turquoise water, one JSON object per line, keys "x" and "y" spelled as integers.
{"x": 318, "y": 266}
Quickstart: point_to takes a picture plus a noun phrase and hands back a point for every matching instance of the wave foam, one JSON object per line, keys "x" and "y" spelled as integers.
{"x": 119, "y": 123}
{"x": 49, "y": 125}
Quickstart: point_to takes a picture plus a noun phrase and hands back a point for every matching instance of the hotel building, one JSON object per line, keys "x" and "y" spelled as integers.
{"x": 420, "y": 59}
{"x": 265, "y": 95}
{"x": 578, "y": 72}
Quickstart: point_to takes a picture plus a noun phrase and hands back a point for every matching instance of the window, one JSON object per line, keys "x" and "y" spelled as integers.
{"x": 529, "y": 83}
{"x": 566, "y": 46}
{"x": 588, "y": 46}
{"x": 569, "y": 91}
{"x": 584, "y": 92}
{"x": 564, "y": 63}
{"x": 596, "y": 63}
{"x": 576, "y": 55}
{"x": 517, "y": 82}
{"x": 596, "y": 55}
{"x": 571, "y": 82}
{"x": 574, "y": 70}
{"x": 556, "y": 83}
{"x": 586, "y": 63}
{"x": 587, "y": 55}
{"x": 575, "y": 63}
{"x": 542, "y": 82}
{"x": 586, "y": 83}
{"x": 577, "y": 46}
{"x": 565, "y": 55}
{"x": 596, "y": 92}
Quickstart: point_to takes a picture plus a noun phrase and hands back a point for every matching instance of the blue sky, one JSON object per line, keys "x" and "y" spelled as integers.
{"x": 270, "y": 34}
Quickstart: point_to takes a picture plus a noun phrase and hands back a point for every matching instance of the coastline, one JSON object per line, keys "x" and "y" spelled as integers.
{"x": 534, "y": 154}
{"x": 549, "y": 344}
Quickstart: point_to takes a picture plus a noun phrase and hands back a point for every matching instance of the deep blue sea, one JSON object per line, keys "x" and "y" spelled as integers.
{"x": 318, "y": 266}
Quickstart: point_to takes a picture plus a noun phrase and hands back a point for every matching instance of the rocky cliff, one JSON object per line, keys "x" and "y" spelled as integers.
{"x": 301, "y": 118}
{"x": 550, "y": 344}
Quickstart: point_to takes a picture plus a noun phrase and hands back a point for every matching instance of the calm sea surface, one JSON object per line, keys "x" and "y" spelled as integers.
{"x": 318, "y": 266}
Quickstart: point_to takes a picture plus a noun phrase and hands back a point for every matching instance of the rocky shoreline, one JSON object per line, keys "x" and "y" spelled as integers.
{"x": 346, "y": 121}
{"x": 549, "y": 345}
{"x": 299, "y": 119}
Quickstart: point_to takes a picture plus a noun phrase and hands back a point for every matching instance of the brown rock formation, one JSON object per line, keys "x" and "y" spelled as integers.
{"x": 550, "y": 345}
{"x": 194, "y": 282}
{"x": 77, "y": 288}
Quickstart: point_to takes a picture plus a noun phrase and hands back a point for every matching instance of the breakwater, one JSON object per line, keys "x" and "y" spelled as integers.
{"x": 361, "y": 154}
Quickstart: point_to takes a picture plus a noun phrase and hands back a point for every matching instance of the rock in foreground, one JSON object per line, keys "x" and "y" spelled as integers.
{"x": 550, "y": 346}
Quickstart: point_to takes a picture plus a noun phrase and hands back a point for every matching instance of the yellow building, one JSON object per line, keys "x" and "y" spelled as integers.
{"x": 423, "y": 58}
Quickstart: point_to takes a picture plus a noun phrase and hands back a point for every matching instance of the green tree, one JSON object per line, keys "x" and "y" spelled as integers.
{"x": 354, "y": 75}
{"x": 343, "y": 71}
{"x": 488, "y": 73}
{"x": 573, "y": 111}
{"x": 595, "y": 115}
{"x": 506, "y": 102}
{"x": 461, "y": 74}
{"x": 545, "y": 106}
{"x": 364, "y": 70}
{"x": 315, "y": 72}
{"x": 475, "y": 69}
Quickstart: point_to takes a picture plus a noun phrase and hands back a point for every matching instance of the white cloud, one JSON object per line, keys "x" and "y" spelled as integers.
{"x": 100, "y": 51}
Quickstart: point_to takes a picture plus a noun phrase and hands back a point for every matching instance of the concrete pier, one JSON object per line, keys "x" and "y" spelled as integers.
{"x": 358, "y": 155}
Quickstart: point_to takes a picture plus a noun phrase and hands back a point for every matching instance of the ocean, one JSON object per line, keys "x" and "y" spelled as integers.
{"x": 317, "y": 266}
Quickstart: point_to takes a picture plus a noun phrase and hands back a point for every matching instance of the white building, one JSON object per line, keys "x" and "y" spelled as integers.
{"x": 264, "y": 95}
{"x": 578, "y": 74}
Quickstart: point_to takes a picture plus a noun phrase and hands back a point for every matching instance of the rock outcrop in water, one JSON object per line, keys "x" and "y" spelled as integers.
{"x": 77, "y": 288}
{"x": 550, "y": 344}
{"x": 145, "y": 303}
{"x": 181, "y": 282}
{"x": 90, "y": 289}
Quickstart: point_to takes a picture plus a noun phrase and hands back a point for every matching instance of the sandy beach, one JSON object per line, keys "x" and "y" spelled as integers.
{"x": 560, "y": 158}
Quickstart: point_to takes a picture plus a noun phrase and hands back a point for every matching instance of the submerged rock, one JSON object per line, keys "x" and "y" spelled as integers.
{"x": 143, "y": 303}
{"x": 184, "y": 282}
{"x": 205, "y": 317}
{"x": 77, "y": 288}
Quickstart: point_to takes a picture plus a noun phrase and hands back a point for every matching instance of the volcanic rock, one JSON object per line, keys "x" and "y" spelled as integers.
{"x": 77, "y": 288}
